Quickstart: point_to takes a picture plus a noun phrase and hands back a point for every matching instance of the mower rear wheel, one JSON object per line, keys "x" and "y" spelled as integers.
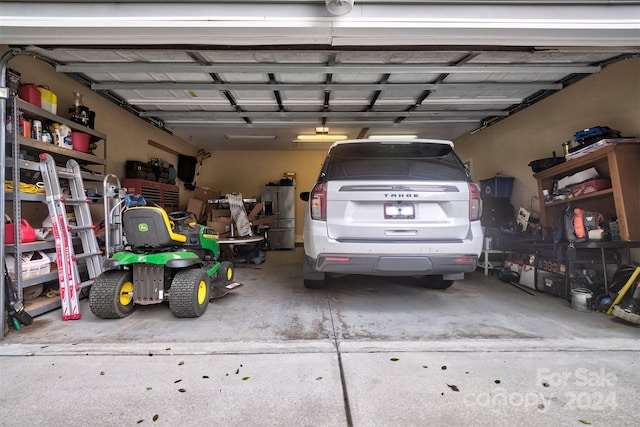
{"x": 225, "y": 273}
{"x": 111, "y": 295}
{"x": 189, "y": 293}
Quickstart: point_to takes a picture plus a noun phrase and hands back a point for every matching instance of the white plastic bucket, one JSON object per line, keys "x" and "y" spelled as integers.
{"x": 581, "y": 299}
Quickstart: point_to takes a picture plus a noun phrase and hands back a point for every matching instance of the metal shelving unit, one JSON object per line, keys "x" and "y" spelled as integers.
{"x": 22, "y": 155}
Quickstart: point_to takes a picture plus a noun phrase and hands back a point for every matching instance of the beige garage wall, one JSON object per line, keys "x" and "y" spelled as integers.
{"x": 609, "y": 98}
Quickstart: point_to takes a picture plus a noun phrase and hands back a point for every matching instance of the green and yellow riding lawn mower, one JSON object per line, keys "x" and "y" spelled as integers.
{"x": 169, "y": 257}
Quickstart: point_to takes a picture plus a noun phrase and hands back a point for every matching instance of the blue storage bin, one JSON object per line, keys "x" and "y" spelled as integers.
{"x": 498, "y": 186}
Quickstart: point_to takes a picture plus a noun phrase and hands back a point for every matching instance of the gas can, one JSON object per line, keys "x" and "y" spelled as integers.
{"x": 30, "y": 93}
{"x": 49, "y": 100}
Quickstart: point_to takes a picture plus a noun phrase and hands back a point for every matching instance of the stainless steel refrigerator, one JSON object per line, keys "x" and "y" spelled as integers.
{"x": 279, "y": 200}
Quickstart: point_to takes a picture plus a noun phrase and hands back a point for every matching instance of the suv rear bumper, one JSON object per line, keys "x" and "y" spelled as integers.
{"x": 389, "y": 265}
{"x": 391, "y": 258}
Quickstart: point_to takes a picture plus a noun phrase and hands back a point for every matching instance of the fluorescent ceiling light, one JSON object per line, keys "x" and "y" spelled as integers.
{"x": 175, "y": 101}
{"x": 469, "y": 101}
{"x": 250, "y": 136}
{"x": 392, "y": 137}
{"x": 323, "y": 137}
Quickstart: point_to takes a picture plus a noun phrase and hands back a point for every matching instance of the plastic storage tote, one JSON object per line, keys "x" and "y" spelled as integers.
{"x": 498, "y": 186}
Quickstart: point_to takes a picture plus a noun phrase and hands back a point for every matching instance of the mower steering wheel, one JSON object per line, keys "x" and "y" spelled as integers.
{"x": 180, "y": 216}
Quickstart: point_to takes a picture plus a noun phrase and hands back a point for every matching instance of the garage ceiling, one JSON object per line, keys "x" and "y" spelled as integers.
{"x": 270, "y": 83}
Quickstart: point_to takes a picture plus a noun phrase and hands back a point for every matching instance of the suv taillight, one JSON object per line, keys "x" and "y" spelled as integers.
{"x": 318, "y": 201}
{"x": 475, "y": 202}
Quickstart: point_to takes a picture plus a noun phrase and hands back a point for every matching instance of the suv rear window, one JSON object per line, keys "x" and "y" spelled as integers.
{"x": 384, "y": 160}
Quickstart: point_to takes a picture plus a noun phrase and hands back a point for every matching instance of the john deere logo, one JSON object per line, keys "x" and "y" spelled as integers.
{"x": 143, "y": 227}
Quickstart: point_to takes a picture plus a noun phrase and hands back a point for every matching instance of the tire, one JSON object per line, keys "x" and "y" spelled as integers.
{"x": 189, "y": 293}
{"x": 436, "y": 282}
{"x": 225, "y": 273}
{"x": 111, "y": 295}
{"x": 314, "y": 284}
{"x": 312, "y": 278}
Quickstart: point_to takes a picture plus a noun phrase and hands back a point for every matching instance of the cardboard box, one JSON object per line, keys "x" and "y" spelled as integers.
{"x": 221, "y": 225}
{"x": 197, "y": 207}
{"x": 590, "y": 186}
{"x": 205, "y": 194}
{"x": 217, "y": 213}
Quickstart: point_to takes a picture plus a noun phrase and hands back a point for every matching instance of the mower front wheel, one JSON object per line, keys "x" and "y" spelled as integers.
{"x": 111, "y": 295}
{"x": 225, "y": 272}
{"x": 189, "y": 293}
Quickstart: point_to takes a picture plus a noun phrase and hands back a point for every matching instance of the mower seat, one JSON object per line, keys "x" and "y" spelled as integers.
{"x": 150, "y": 227}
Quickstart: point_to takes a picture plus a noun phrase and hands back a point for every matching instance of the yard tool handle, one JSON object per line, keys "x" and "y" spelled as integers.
{"x": 202, "y": 155}
{"x": 624, "y": 289}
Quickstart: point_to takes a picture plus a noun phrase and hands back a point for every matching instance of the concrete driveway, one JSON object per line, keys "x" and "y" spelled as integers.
{"x": 366, "y": 351}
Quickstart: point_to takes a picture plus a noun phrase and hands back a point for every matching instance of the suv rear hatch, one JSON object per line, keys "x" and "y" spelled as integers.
{"x": 391, "y": 191}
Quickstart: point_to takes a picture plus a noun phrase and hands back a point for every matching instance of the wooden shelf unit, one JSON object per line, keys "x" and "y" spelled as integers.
{"x": 619, "y": 162}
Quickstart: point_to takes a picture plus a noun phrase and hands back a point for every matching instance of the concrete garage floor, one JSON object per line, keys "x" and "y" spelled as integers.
{"x": 365, "y": 352}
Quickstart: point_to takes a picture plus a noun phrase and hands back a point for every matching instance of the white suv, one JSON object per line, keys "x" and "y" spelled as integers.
{"x": 392, "y": 208}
